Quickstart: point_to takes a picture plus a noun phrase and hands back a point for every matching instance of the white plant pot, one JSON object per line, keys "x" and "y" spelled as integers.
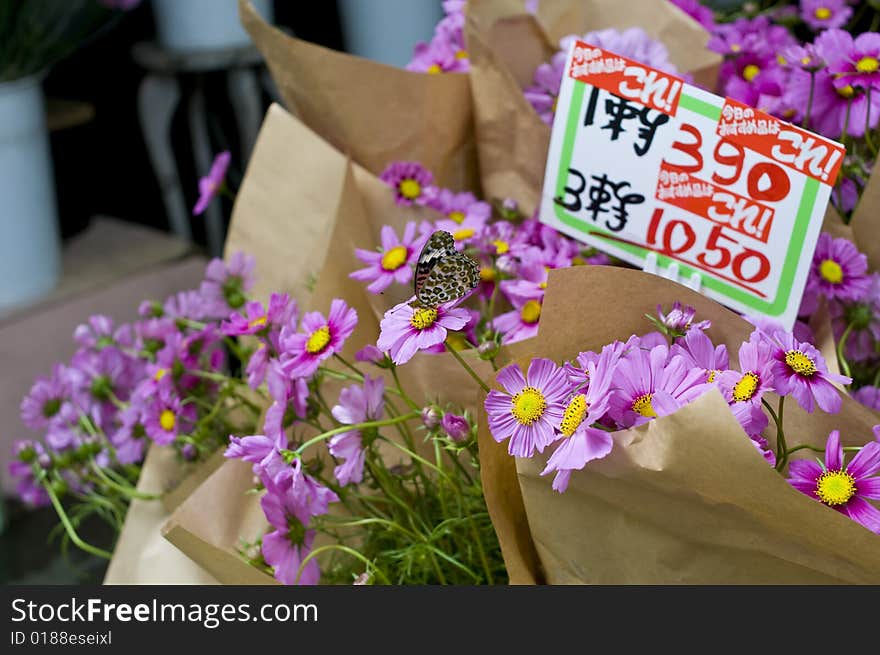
{"x": 387, "y": 30}
{"x": 193, "y": 25}
{"x": 30, "y": 243}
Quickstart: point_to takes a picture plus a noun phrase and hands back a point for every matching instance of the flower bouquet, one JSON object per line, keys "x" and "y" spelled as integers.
{"x": 686, "y": 447}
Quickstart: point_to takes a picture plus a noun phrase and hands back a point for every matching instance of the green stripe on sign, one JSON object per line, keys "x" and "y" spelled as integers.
{"x": 700, "y": 107}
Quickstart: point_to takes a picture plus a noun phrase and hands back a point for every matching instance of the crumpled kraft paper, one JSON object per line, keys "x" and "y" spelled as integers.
{"x": 141, "y": 555}
{"x": 683, "y": 499}
{"x": 506, "y": 45}
{"x": 373, "y": 112}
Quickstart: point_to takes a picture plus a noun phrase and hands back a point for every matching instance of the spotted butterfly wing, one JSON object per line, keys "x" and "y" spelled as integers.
{"x": 442, "y": 273}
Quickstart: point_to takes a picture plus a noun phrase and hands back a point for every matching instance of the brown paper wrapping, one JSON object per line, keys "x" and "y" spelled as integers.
{"x": 506, "y": 45}
{"x": 373, "y": 112}
{"x": 683, "y": 499}
{"x": 302, "y": 201}
{"x": 141, "y": 555}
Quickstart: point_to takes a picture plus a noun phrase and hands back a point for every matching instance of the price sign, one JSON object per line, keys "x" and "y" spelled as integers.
{"x": 641, "y": 162}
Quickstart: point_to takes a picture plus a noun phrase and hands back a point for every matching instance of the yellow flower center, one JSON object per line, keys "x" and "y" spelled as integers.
{"x": 831, "y": 271}
{"x": 530, "y": 312}
{"x": 574, "y": 415}
{"x": 735, "y": 47}
{"x": 846, "y": 92}
{"x": 167, "y": 420}
{"x": 822, "y": 13}
{"x": 260, "y": 320}
{"x": 642, "y": 405}
{"x": 318, "y": 340}
{"x": 867, "y": 65}
{"x": 750, "y": 72}
{"x": 578, "y": 261}
{"x": 461, "y": 235}
{"x": 805, "y": 60}
{"x": 528, "y": 405}
{"x": 501, "y": 247}
{"x": 433, "y": 69}
{"x": 410, "y": 189}
{"x": 456, "y": 216}
{"x": 461, "y": 54}
{"x": 747, "y": 386}
{"x": 542, "y": 285}
{"x": 423, "y": 317}
{"x": 800, "y": 363}
{"x": 394, "y": 258}
{"x": 159, "y": 374}
{"x": 835, "y": 487}
{"x": 488, "y": 274}
{"x": 781, "y": 60}
{"x": 710, "y": 377}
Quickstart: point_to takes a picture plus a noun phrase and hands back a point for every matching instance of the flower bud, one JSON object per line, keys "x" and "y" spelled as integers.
{"x": 507, "y": 265}
{"x": 431, "y": 417}
{"x": 457, "y": 427}
{"x": 488, "y": 350}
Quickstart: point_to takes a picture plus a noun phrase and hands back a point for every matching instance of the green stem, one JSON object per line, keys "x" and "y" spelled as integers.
{"x": 68, "y": 527}
{"x": 841, "y": 357}
{"x": 810, "y": 100}
{"x": 409, "y": 401}
{"x": 344, "y": 549}
{"x": 868, "y": 139}
{"x": 131, "y": 492}
{"x": 349, "y": 366}
{"x": 467, "y": 367}
{"x": 356, "y": 426}
{"x": 781, "y": 448}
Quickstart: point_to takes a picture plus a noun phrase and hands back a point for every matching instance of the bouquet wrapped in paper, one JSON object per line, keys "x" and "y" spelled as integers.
{"x": 674, "y": 454}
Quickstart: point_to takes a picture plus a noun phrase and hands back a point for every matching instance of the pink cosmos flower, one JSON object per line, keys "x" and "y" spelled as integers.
{"x": 869, "y": 397}
{"x": 527, "y": 412}
{"x": 357, "y": 404}
{"x": 580, "y": 442}
{"x": 634, "y": 43}
{"x": 304, "y": 351}
{"x": 830, "y": 102}
{"x": 839, "y": 272}
{"x": 393, "y": 263}
{"x": 405, "y": 330}
{"x": 761, "y": 445}
{"x": 823, "y": 14}
{"x": 520, "y": 323}
{"x": 226, "y": 285}
{"x": 744, "y": 391}
{"x": 681, "y": 319}
{"x": 291, "y": 500}
{"x": 167, "y": 417}
{"x": 852, "y": 62}
{"x": 703, "y": 15}
{"x": 129, "y": 440}
{"x": 43, "y": 402}
{"x": 544, "y": 91}
{"x": 456, "y": 207}
{"x": 260, "y": 450}
{"x": 650, "y": 383}
{"x": 843, "y": 488}
{"x": 210, "y": 185}
{"x": 26, "y": 454}
{"x": 289, "y": 405}
{"x": 862, "y": 317}
{"x": 531, "y": 283}
{"x": 698, "y": 351}
{"x": 438, "y": 56}
{"x": 413, "y": 184}
{"x": 800, "y": 371}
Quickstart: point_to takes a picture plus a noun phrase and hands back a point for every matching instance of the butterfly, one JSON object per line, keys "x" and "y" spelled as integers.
{"x": 443, "y": 274}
